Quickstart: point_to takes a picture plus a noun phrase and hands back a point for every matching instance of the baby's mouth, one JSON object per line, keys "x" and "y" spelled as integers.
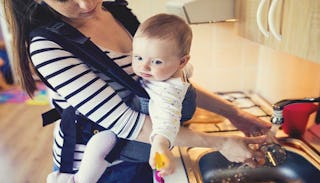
{"x": 145, "y": 75}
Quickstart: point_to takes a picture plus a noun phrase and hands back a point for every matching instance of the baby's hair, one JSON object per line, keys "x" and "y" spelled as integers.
{"x": 170, "y": 27}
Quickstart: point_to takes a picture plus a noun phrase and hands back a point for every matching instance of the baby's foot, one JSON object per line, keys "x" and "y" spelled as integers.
{"x": 57, "y": 177}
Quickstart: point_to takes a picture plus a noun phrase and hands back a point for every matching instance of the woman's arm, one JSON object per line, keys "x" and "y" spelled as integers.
{"x": 234, "y": 148}
{"x": 241, "y": 119}
{"x": 244, "y": 121}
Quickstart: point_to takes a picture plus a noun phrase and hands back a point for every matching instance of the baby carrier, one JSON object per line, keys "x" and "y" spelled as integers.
{"x": 75, "y": 42}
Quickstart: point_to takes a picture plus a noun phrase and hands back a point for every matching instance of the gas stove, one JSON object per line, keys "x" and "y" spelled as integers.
{"x": 199, "y": 162}
{"x": 210, "y": 122}
{"x": 253, "y": 103}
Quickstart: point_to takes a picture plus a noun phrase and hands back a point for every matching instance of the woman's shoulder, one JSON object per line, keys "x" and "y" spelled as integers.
{"x": 53, "y": 26}
{"x": 59, "y": 32}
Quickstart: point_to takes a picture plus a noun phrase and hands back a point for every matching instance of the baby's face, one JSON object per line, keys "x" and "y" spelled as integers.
{"x": 155, "y": 59}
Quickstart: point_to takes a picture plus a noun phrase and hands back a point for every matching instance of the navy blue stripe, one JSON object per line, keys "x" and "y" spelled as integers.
{"x": 123, "y": 127}
{"x": 134, "y": 126}
{"x": 53, "y": 60}
{"x": 59, "y": 155}
{"x": 100, "y": 104}
{"x": 56, "y": 159}
{"x": 71, "y": 80}
{"x": 81, "y": 88}
{"x": 115, "y": 122}
{"x": 44, "y": 50}
{"x": 77, "y": 151}
{"x": 60, "y": 134}
{"x": 59, "y": 100}
{"x": 91, "y": 96}
{"x": 125, "y": 66}
{"x": 110, "y": 111}
{"x": 38, "y": 39}
{"x": 61, "y": 71}
{"x": 55, "y": 141}
{"x": 120, "y": 57}
{"x": 74, "y": 159}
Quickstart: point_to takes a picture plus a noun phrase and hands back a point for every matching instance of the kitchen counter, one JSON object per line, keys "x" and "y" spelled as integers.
{"x": 179, "y": 176}
{"x": 188, "y": 166}
{"x": 208, "y": 122}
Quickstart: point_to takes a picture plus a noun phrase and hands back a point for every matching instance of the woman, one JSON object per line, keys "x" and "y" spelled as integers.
{"x": 95, "y": 98}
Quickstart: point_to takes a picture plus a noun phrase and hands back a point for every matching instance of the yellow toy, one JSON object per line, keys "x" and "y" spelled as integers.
{"x": 161, "y": 161}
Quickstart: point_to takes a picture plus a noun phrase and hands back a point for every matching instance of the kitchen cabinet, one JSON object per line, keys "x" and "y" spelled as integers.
{"x": 246, "y": 14}
{"x": 297, "y": 23}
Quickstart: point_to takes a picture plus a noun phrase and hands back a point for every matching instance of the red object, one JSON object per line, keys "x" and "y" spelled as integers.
{"x": 315, "y": 129}
{"x": 296, "y": 118}
{"x": 159, "y": 178}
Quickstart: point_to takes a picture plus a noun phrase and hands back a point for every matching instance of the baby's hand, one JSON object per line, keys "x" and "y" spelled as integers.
{"x": 164, "y": 163}
{"x": 161, "y": 158}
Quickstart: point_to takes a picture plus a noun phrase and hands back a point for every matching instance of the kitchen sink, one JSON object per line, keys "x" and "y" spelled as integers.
{"x": 205, "y": 165}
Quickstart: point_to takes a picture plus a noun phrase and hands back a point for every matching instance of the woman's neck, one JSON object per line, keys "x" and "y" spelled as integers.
{"x": 105, "y": 31}
{"x": 84, "y": 22}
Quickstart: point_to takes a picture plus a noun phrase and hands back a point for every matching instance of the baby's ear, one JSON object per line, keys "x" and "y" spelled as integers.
{"x": 184, "y": 60}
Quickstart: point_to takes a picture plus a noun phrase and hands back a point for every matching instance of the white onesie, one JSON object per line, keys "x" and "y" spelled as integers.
{"x": 165, "y": 106}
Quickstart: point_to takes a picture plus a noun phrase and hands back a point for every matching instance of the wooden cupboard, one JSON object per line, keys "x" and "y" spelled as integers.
{"x": 297, "y": 23}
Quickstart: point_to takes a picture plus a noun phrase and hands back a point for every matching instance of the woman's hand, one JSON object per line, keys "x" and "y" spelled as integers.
{"x": 239, "y": 149}
{"x": 161, "y": 145}
{"x": 249, "y": 124}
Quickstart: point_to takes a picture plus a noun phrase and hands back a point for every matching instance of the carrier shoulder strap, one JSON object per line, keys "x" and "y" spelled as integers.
{"x": 75, "y": 42}
{"x": 82, "y": 47}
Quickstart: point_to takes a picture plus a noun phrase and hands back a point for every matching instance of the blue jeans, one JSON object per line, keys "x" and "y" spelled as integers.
{"x": 126, "y": 172}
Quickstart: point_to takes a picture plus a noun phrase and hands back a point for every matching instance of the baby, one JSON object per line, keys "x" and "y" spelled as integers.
{"x": 161, "y": 48}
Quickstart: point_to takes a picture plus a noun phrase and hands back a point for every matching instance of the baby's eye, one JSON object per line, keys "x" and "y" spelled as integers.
{"x": 62, "y": 1}
{"x": 157, "y": 62}
{"x": 138, "y": 58}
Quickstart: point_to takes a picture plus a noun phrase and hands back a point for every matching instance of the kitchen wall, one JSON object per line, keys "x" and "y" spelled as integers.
{"x": 285, "y": 76}
{"x": 223, "y": 61}
{"x": 145, "y": 8}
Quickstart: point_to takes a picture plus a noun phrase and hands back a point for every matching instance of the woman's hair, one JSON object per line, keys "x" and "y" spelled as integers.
{"x": 169, "y": 27}
{"x": 23, "y": 16}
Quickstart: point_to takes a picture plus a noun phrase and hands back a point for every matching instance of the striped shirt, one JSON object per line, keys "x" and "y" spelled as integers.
{"x": 90, "y": 92}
